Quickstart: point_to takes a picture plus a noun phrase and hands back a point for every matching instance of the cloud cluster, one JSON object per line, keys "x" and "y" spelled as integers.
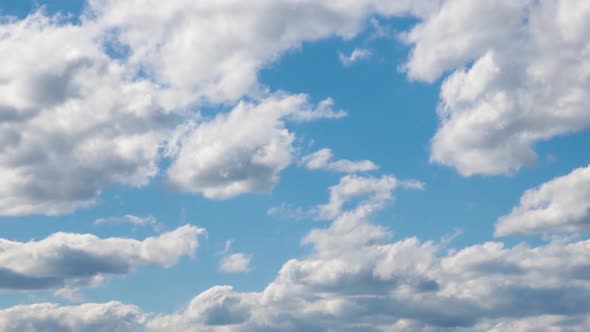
{"x": 519, "y": 75}
{"x": 356, "y": 278}
{"x": 128, "y": 80}
{"x": 72, "y": 260}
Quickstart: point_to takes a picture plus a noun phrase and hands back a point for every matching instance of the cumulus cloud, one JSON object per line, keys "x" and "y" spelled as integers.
{"x": 243, "y": 150}
{"x": 562, "y": 204}
{"x": 519, "y": 75}
{"x": 322, "y": 159}
{"x": 358, "y": 54}
{"x": 357, "y": 278}
{"x": 68, "y": 259}
{"x": 91, "y": 317}
{"x": 234, "y": 262}
{"x": 72, "y": 124}
{"x": 128, "y": 77}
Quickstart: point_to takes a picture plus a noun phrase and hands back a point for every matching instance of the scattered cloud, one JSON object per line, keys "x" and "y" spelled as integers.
{"x": 322, "y": 160}
{"x": 148, "y": 220}
{"x": 355, "y": 277}
{"x": 234, "y": 262}
{"x": 358, "y": 54}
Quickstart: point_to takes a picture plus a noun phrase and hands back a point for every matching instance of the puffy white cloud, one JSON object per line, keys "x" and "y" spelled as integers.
{"x": 91, "y": 317}
{"x": 322, "y": 159}
{"x": 68, "y": 259}
{"x": 243, "y": 150}
{"x": 234, "y": 262}
{"x": 562, "y": 204}
{"x": 520, "y": 73}
{"x": 72, "y": 124}
{"x": 127, "y": 78}
{"x": 358, "y": 54}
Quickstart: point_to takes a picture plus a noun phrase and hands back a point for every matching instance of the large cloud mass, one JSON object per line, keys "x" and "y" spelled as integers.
{"x": 520, "y": 73}
{"x": 357, "y": 279}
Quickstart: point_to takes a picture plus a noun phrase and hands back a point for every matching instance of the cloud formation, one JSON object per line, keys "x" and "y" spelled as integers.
{"x": 356, "y": 278}
{"x": 234, "y": 262}
{"x": 519, "y": 75}
{"x": 243, "y": 150}
{"x": 562, "y": 204}
{"x": 68, "y": 259}
{"x": 358, "y": 54}
{"x": 129, "y": 77}
{"x": 322, "y": 160}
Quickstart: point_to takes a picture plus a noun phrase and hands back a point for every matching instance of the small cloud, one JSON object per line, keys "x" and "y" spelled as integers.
{"x": 323, "y": 160}
{"x": 234, "y": 262}
{"x": 288, "y": 211}
{"x": 358, "y": 54}
{"x": 69, "y": 294}
{"x": 148, "y": 220}
{"x": 446, "y": 239}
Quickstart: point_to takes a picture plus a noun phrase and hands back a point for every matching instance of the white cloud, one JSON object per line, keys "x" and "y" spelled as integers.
{"x": 356, "y": 278}
{"x": 91, "y": 317}
{"x": 234, "y": 262}
{"x": 358, "y": 54}
{"x": 527, "y": 83}
{"x": 243, "y": 150}
{"x": 379, "y": 191}
{"x": 72, "y": 124}
{"x": 322, "y": 159}
{"x": 72, "y": 260}
{"x": 128, "y": 78}
{"x": 562, "y": 204}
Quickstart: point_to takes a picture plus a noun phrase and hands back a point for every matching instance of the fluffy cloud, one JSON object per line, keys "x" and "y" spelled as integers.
{"x": 67, "y": 259}
{"x": 234, "y": 262}
{"x": 72, "y": 124}
{"x": 356, "y": 278}
{"x": 322, "y": 159}
{"x": 91, "y": 317}
{"x": 128, "y": 78}
{"x": 562, "y": 204}
{"x": 243, "y": 150}
{"x": 527, "y": 83}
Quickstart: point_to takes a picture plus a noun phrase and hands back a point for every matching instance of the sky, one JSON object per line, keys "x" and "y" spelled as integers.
{"x": 294, "y": 165}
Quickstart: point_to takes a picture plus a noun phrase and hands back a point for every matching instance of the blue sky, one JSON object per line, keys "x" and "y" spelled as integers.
{"x": 410, "y": 110}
